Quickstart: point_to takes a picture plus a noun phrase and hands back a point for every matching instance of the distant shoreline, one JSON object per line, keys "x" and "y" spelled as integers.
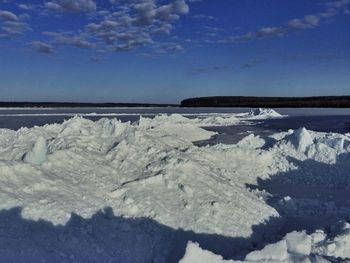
{"x": 80, "y": 105}
{"x": 216, "y": 101}
{"x": 269, "y": 102}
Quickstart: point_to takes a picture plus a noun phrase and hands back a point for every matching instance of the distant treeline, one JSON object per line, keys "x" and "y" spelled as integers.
{"x": 76, "y": 105}
{"x": 269, "y": 102}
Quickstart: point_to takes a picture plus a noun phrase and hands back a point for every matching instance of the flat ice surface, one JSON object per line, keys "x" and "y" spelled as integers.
{"x": 169, "y": 187}
{"x": 325, "y": 120}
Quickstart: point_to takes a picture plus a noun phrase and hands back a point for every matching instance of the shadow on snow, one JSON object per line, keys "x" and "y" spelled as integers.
{"x": 317, "y": 195}
{"x": 106, "y": 237}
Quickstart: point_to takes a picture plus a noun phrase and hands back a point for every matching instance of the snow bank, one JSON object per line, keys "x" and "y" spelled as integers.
{"x": 295, "y": 247}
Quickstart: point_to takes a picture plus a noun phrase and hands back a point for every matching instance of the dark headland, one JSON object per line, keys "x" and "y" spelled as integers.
{"x": 77, "y": 105}
{"x": 269, "y": 102}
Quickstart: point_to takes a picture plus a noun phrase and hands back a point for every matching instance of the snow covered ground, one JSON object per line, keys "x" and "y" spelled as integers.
{"x": 112, "y": 191}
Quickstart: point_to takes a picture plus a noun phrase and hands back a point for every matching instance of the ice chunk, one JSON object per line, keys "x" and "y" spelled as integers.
{"x": 318, "y": 236}
{"x": 177, "y": 126}
{"x": 339, "y": 246}
{"x": 261, "y": 113}
{"x": 251, "y": 142}
{"x": 301, "y": 139}
{"x": 295, "y": 247}
{"x": 298, "y": 243}
{"x": 322, "y": 153}
{"x": 37, "y": 155}
{"x": 225, "y": 120}
{"x": 194, "y": 254}
{"x": 277, "y": 251}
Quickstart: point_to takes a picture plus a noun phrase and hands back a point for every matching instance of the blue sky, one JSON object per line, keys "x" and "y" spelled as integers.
{"x": 166, "y": 50}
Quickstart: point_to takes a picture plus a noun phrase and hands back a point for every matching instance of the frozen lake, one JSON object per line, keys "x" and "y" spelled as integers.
{"x": 91, "y": 189}
{"x": 323, "y": 120}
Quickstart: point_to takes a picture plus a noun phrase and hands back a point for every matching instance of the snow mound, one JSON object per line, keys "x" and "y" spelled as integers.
{"x": 301, "y": 139}
{"x": 304, "y": 144}
{"x": 270, "y": 253}
{"x": 337, "y": 246}
{"x": 295, "y": 247}
{"x": 176, "y": 125}
{"x": 251, "y": 141}
{"x": 147, "y": 169}
{"x": 260, "y": 114}
{"x": 194, "y": 254}
{"x": 212, "y": 119}
{"x": 218, "y": 120}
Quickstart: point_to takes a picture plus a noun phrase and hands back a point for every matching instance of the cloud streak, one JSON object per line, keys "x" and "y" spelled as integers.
{"x": 8, "y": 16}
{"x": 307, "y": 22}
{"x": 12, "y": 25}
{"x": 211, "y": 69}
{"x": 75, "y": 6}
{"x": 42, "y": 47}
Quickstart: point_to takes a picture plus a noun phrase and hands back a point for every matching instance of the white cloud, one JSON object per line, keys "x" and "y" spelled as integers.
{"x": 42, "y": 47}
{"x": 26, "y": 7}
{"x": 79, "y": 41}
{"x": 71, "y": 5}
{"x": 7, "y": 16}
{"x": 309, "y": 21}
{"x": 135, "y": 24}
{"x": 11, "y": 25}
{"x": 306, "y": 22}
